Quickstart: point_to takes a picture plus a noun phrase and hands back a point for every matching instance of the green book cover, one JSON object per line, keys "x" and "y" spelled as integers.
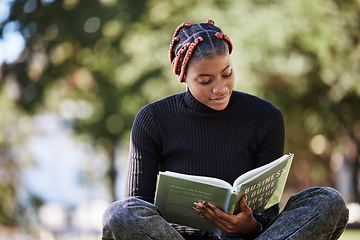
{"x": 176, "y": 193}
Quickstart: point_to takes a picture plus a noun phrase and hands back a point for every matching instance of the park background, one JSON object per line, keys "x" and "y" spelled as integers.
{"x": 74, "y": 73}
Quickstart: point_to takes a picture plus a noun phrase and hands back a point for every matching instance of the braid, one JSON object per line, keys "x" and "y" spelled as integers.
{"x": 187, "y": 37}
{"x": 210, "y": 22}
{"x": 172, "y": 45}
{"x": 180, "y": 27}
{"x": 176, "y": 39}
{"x": 221, "y": 35}
{"x": 187, "y": 57}
{"x": 176, "y": 60}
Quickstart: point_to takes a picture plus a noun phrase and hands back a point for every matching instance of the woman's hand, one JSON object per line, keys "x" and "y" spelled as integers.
{"x": 244, "y": 222}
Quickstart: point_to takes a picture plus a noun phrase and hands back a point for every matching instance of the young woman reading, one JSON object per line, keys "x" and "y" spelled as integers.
{"x": 213, "y": 130}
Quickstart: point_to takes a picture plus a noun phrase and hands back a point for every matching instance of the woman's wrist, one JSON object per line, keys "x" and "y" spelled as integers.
{"x": 259, "y": 226}
{"x": 254, "y": 228}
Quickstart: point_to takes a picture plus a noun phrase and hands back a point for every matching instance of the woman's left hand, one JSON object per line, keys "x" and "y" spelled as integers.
{"x": 244, "y": 222}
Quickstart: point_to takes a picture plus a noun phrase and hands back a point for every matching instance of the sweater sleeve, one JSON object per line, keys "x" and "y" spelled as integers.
{"x": 271, "y": 138}
{"x": 271, "y": 142}
{"x": 144, "y": 157}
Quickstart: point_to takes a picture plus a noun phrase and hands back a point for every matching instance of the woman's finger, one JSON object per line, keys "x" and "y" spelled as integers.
{"x": 244, "y": 207}
{"x": 217, "y": 217}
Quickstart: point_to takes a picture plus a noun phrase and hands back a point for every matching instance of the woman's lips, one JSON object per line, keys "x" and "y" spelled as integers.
{"x": 221, "y": 99}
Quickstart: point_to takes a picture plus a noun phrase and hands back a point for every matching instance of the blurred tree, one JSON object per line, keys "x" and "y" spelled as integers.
{"x": 72, "y": 51}
{"x": 306, "y": 56}
{"x": 69, "y": 63}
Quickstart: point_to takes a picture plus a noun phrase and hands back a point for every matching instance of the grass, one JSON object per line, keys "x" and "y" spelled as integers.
{"x": 350, "y": 234}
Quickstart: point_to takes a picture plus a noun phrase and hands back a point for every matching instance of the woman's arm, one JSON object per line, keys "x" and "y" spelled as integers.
{"x": 271, "y": 141}
{"x": 144, "y": 157}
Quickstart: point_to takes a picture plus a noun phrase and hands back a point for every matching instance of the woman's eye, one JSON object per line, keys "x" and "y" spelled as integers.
{"x": 228, "y": 75}
{"x": 204, "y": 81}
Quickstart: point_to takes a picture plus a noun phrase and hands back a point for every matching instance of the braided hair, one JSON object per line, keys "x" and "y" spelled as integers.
{"x": 195, "y": 41}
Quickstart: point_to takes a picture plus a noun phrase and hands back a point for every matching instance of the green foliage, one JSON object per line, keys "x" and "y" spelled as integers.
{"x": 8, "y": 195}
{"x": 310, "y": 68}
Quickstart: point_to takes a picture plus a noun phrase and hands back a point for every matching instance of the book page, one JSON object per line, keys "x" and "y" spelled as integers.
{"x": 209, "y": 180}
{"x": 175, "y": 198}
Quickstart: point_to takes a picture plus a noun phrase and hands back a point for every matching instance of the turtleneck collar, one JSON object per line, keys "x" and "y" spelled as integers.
{"x": 197, "y": 106}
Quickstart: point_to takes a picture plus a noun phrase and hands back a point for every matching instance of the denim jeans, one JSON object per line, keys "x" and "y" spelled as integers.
{"x": 316, "y": 213}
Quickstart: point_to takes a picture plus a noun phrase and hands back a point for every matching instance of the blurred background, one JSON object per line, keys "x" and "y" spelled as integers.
{"x": 74, "y": 73}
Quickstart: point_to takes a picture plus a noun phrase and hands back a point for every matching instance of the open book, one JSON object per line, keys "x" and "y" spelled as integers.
{"x": 176, "y": 193}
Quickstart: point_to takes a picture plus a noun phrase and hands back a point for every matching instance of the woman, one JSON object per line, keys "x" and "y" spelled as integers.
{"x": 212, "y": 130}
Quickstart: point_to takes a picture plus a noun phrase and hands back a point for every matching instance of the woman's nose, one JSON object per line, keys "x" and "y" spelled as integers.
{"x": 219, "y": 87}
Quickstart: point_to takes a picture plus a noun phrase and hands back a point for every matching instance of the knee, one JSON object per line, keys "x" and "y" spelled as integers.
{"x": 331, "y": 197}
{"x": 112, "y": 218}
{"x": 338, "y": 201}
{"x": 332, "y": 201}
{"x": 124, "y": 210}
{"x": 113, "y": 212}
{"x": 122, "y": 215}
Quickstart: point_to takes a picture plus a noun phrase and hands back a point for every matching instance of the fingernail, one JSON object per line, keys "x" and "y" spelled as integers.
{"x": 206, "y": 204}
{"x": 201, "y": 215}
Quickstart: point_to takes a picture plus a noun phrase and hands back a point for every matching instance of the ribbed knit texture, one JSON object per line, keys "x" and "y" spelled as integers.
{"x": 181, "y": 134}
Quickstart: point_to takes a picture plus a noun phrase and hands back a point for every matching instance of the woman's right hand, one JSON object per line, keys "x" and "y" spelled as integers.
{"x": 244, "y": 222}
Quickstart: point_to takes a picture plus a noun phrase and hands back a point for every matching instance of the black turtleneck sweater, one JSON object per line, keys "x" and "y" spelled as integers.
{"x": 181, "y": 134}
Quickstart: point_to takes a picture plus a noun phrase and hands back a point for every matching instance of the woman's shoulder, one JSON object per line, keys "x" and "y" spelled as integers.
{"x": 164, "y": 105}
{"x": 254, "y": 106}
{"x": 164, "y": 102}
{"x": 253, "y": 101}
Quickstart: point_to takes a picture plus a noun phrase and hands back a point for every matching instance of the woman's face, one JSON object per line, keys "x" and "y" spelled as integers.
{"x": 211, "y": 81}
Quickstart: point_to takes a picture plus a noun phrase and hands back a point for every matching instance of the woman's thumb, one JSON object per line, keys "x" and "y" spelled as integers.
{"x": 244, "y": 207}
